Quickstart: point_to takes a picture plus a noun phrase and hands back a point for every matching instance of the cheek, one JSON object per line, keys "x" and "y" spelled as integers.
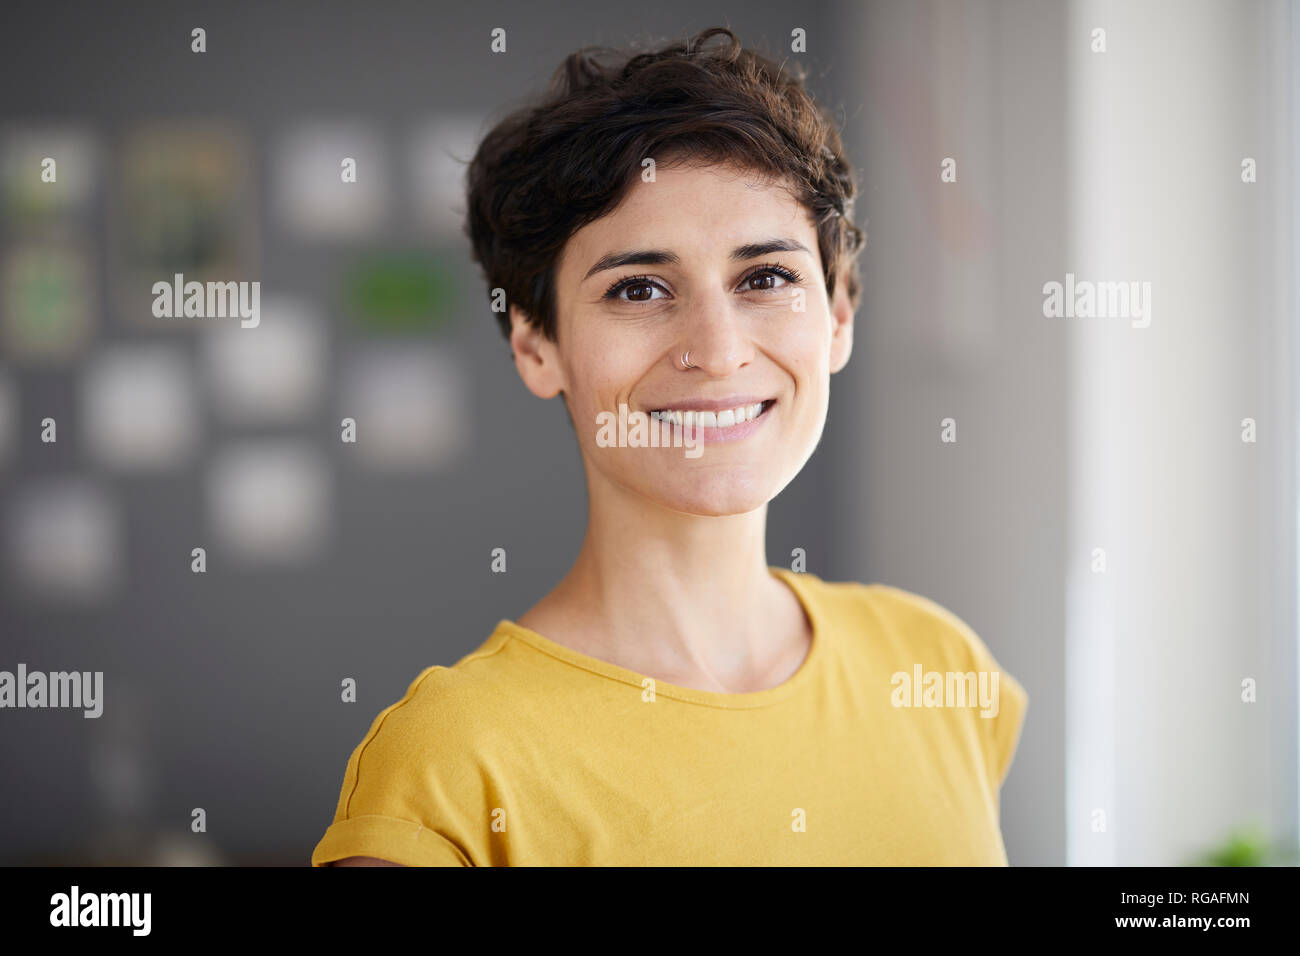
{"x": 601, "y": 374}
{"x": 804, "y": 348}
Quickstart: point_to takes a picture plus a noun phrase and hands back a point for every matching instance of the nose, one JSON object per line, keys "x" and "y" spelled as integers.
{"x": 716, "y": 337}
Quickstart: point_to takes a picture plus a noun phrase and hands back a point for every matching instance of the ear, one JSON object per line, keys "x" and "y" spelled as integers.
{"x": 842, "y": 326}
{"x": 536, "y": 357}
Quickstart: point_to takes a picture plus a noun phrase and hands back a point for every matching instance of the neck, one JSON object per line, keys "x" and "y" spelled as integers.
{"x": 688, "y": 598}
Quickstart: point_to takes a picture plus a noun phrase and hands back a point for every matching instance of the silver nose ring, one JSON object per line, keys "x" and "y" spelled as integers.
{"x": 686, "y": 359}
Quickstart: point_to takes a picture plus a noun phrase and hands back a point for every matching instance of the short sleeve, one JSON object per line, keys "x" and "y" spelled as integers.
{"x": 387, "y": 838}
{"x": 999, "y": 733}
{"x": 393, "y": 804}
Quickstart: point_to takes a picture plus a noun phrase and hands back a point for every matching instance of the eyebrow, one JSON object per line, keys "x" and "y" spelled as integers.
{"x": 659, "y": 257}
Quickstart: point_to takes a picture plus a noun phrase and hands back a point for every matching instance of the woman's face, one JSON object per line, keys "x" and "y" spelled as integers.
{"x": 713, "y": 260}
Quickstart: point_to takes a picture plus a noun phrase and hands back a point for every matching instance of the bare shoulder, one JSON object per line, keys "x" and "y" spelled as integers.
{"x": 363, "y": 861}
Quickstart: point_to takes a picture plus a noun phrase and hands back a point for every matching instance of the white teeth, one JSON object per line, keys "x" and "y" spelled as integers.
{"x": 723, "y": 419}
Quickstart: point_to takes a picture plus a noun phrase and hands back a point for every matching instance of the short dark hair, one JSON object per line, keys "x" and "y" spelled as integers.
{"x": 549, "y": 168}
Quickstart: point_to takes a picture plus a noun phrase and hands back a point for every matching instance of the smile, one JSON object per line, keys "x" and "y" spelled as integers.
{"x": 726, "y": 418}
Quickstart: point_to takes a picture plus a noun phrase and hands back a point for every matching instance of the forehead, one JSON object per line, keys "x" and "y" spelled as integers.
{"x": 692, "y": 210}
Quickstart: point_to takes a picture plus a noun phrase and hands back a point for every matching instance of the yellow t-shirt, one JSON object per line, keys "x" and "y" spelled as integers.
{"x": 528, "y": 753}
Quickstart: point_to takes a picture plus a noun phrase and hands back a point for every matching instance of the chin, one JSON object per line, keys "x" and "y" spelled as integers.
{"x": 714, "y": 495}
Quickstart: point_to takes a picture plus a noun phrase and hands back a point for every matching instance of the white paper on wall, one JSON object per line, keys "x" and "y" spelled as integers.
{"x": 273, "y": 373}
{"x": 410, "y": 406}
{"x": 438, "y": 154}
{"x": 310, "y": 192}
{"x": 139, "y": 411}
{"x": 64, "y": 540}
{"x": 269, "y": 502}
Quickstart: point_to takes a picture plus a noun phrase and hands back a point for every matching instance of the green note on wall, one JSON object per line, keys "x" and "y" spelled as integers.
{"x": 400, "y": 293}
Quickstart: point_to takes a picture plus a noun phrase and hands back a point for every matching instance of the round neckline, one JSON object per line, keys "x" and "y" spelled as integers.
{"x": 757, "y": 698}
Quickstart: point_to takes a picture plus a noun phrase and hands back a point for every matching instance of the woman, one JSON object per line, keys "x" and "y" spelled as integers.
{"x": 672, "y": 233}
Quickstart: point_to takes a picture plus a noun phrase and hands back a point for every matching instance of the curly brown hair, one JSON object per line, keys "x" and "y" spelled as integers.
{"x": 553, "y": 166}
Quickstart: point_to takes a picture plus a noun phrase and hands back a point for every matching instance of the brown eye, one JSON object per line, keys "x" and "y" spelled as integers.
{"x": 645, "y": 286}
{"x": 765, "y": 278}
